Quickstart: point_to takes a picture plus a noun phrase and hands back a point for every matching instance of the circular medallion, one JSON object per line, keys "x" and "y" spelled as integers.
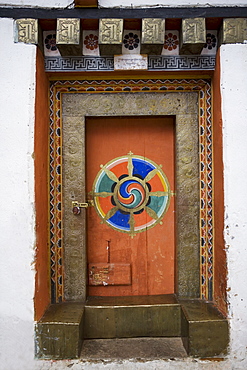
{"x": 131, "y": 194}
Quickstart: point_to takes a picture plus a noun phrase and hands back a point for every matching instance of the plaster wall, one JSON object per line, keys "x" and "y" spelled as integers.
{"x": 124, "y": 3}
{"x": 17, "y": 211}
{"x": 234, "y": 116}
{"x": 17, "y": 214}
{"x": 37, "y": 3}
{"x": 168, "y": 3}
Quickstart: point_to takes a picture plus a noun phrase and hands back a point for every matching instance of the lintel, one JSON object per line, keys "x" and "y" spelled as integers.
{"x": 125, "y": 13}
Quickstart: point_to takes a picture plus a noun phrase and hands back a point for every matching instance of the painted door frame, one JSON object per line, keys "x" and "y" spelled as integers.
{"x": 188, "y": 100}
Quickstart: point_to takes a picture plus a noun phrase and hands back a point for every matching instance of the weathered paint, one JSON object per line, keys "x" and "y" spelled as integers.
{"x": 150, "y": 252}
{"x": 220, "y": 268}
{"x": 234, "y": 113}
{"x": 42, "y": 287}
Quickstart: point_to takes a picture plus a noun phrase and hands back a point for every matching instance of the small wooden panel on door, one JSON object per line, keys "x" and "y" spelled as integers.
{"x": 130, "y": 164}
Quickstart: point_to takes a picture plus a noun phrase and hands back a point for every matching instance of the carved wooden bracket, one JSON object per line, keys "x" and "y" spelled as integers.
{"x": 110, "y": 37}
{"x": 26, "y": 30}
{"x": 153, "y": 35}
{"x": 233, "y": 30}
{"x": 192, "y": 36}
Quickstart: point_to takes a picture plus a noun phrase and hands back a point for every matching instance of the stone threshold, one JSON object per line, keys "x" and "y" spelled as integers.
{"x": 144, "y": 349}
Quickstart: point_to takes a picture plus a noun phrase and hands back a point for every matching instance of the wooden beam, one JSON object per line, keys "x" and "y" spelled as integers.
{"x": 125, "y": 13}
{"x": 86, "y": 3}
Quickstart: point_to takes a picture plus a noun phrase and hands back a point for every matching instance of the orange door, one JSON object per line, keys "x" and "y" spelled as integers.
{"x": 130, "y": 229}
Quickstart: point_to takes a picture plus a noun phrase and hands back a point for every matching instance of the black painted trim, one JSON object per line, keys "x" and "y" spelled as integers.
{"x": 125, "y": 13}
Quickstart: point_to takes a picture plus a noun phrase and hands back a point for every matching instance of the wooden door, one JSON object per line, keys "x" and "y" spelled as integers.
{"x": 131, "y": 228}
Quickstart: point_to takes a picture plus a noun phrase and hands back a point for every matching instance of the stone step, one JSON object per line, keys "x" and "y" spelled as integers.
{"x": 130, "y": 317}
{"x": 64, "y": 326}
{"x": 59, "y": 333}
{"x": 204, "y": 329}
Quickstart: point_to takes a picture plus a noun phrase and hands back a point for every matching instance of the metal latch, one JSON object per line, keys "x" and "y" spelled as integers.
{"x": 76, "y": 206}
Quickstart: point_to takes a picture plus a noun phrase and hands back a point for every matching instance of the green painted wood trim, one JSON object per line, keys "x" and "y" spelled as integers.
{"x": 205, "y": 331}
{"x": 59, "y": 333}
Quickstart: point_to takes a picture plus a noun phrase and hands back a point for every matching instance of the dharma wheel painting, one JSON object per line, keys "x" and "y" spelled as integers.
{"x": 131, "y": 194}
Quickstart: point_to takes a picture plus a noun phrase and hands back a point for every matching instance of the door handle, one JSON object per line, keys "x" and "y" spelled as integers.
{"x": 76, "y": 206}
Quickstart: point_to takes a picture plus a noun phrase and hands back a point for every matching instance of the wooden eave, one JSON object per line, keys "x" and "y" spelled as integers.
{"x": 125, "y": 13}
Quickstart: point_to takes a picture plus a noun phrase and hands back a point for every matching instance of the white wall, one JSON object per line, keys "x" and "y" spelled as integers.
{"x": 169, "y": 3}
{"x": 17, "y": 236}
{"x": 234, "y": 111}
{"x": 16, "y": 197}
{"x": 124, "y": 3}
{"x": 38, "y": 3}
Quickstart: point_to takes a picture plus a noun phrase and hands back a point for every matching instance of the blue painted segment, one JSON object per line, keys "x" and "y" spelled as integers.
{"x": 120, "y": 221}
{"x": 141, "y": 167}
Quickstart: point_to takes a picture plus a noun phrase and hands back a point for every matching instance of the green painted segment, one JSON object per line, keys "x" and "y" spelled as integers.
{"x": 157, "y": 204}
{"x": 105, "y": 184}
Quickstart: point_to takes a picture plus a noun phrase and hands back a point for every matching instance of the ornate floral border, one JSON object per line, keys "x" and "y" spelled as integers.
{"x": 203, "y": 87}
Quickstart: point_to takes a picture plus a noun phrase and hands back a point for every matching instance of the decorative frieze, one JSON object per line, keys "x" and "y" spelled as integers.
{"x": 193, "y": 36}
{"x": 110, "y": 39}
{"x": 110, "y": 36}
{"x": 110, "y": 31}
{"x": 210, "y": 47}
{"x": 181, "y": 63}
{"x": 153, "y": 35}
{"x": 155, "y": 63}
{"x": 153, "y": 31}
{"x": 130, "y": 62}
{"x": 171, "y": 43}
{"x": 90, "y": 43}
{"x": 68, "y": 31}
{"x": 26, "y": 30}
{"x": 131, "y": 42}
{"x": 68, "y": 36}
{"x": 50, "y": 45}
{"x": 233, "y": 30}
